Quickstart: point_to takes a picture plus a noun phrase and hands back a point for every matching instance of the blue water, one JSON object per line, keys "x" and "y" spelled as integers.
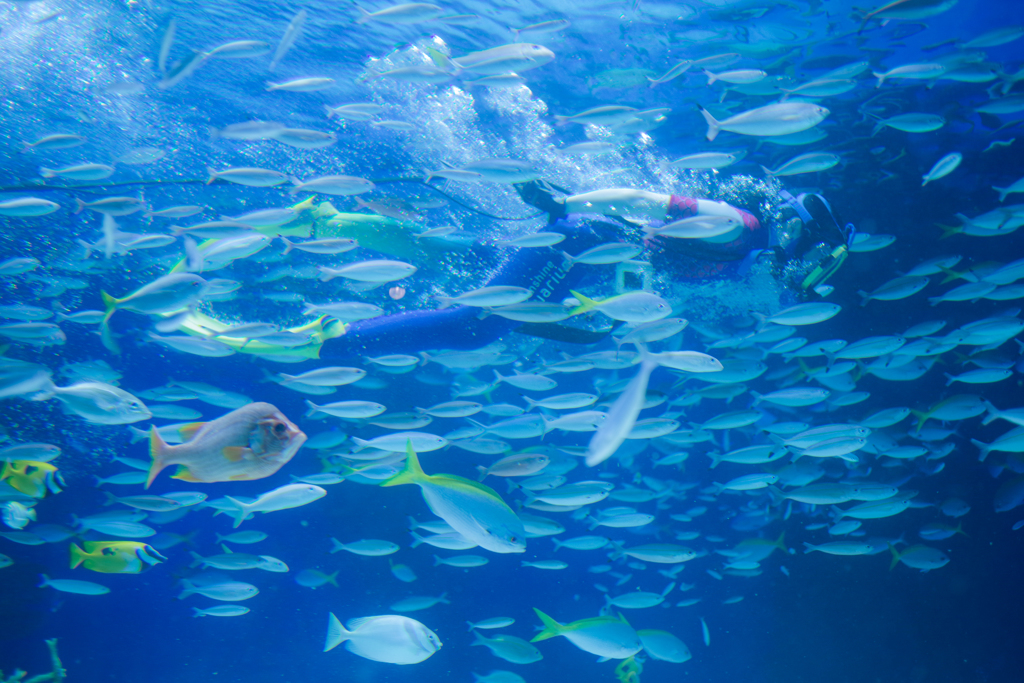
{"x": 836, "y": 619}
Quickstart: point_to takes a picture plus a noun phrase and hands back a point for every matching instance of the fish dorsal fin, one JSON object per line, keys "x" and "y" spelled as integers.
{"x": 236, "y": 453}
{"x": 412, "y": 473}
{"x": 189, "y": 431}
{"x": 227, "y": 550}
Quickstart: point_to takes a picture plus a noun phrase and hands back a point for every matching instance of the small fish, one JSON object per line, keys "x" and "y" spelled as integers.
{"x": 389, "y": 638}
{"x": 250, "y": 177}
{"x": 311, "y": 578}
{"x": 335, "y": 185}
{"x": 54, "y": 141}
{"x": 770, "y": 120}
{"x": 291, "y": 35}
{"x": 281, "y": 498}
{"x": 814, "y": 162}
{"x": 100, "y": 403}
{"x": 112, "y": 206}
{"x": 367, "y": 547}
{"x": 220, "y": 611}
{"x": 72, "y": 586}
{"x": 228, "y": 591}
{"x": 943, "y": 167}
{"x": 25, "y": 207}
{"x": 376, "y": 271}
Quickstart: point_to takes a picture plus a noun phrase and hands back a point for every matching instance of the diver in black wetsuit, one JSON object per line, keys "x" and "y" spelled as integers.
{"x": 812, "y": 235}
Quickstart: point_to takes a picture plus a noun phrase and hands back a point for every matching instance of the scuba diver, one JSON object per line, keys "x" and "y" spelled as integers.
{"x": 802, "y": 238}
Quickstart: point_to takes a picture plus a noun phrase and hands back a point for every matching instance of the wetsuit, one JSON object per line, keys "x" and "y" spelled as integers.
{"x": 550, "y": 277}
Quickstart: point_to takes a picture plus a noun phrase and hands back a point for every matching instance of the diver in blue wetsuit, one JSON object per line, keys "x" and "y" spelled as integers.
{"x": 803, "y": 232}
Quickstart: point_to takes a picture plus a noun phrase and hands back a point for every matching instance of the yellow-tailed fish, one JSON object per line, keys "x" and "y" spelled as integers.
{"x": 609, "y": 637}
{"x": 472, "y": 509}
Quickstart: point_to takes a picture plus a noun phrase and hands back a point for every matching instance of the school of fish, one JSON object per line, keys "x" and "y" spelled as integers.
{"x": 612, "y": 458}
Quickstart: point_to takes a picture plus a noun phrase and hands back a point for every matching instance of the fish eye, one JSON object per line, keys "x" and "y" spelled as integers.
{"x": 280, "y": 429}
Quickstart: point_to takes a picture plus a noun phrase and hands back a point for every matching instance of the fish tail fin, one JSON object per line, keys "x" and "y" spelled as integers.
{"x": 895, "y": 557}
{"x": 777, "y": 496}
{"x": 213, "y": 175}
{"x": 288, "y": 245}
{"x": 188, "y": 588}
{"x": 950, "y": 230}
{"x": 780, "y": 542}
{"x": 586, "y": 304}
{"x": 197, "y": 559}
{"x": 711, "y": 76}
{"x": 240, "y": 514}
{"x": 364, "y": 17}
{"x": 960, "y": 530}
{"x": 336, "y": 633}
{"x": 111, "y": 498}
{"x": 983, "y": 449}
{"x": 110, "y": 304}
{"x": 333, "y": 579}
{"x": 880, "y": 77}
{"x": 713, "y": 125}
{"x": 157, "y": 451}
{"x": 1003, "y": 191}
{"x": 412, "y": 473}
{"x": 551, "y": 627}
{"x": 313, "y": 408}
{"x": 808, "y": 548}
{"x": 77, "y": 555}
{"x": 79, "y": 205}
{"x": 44, "y": 581}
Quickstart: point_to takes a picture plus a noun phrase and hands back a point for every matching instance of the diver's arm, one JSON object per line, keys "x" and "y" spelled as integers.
{"x": 660, "y": 207}
{"x": 644, "y": 204}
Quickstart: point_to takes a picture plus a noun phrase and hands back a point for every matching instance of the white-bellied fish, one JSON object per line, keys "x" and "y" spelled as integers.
{"x": 472, "y": 509}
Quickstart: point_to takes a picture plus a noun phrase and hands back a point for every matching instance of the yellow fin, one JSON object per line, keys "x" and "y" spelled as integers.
{"x": 189, "y": 430}
{"x": 586, "y": 304}
{"x": 412, "y": 473}
{"x": 184, "y": 475}
{"x": 77, "y": 555}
